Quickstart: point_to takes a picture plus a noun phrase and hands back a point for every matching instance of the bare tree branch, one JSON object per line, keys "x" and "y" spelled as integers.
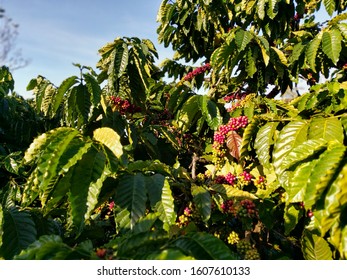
{"x": 9, "y": 54}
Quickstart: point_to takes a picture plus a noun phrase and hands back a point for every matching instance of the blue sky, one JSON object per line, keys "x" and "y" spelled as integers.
{"x": 53, "y": 34}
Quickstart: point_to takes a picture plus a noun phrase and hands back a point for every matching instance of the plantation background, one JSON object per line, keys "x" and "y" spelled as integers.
{"x": 118, "y": 163}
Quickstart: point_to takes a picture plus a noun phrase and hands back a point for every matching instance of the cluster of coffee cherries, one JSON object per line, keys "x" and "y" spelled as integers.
{"x": 260, "y": 182}
{"x": 197, "y": 71}
{"x": 242, "y": 209}
{"x": 221, "y": 135}
{"x": 247, "y": 209}
{"x": 228, "y": 179}
{"x": 183, "y": 220}
{"x": 246, "y": 251}
{"x": 233, "y": 238}
{"x": 243, "y": 179}
{"x": 123, "y": 106}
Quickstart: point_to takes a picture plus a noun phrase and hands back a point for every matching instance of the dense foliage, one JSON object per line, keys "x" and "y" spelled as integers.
{"x": 119, "y": 163}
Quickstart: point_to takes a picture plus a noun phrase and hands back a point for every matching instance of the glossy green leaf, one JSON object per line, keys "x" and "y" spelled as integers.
{"x": 145, "y": 223}
{"x": 232, "y": 192}
{"x": 154, "y": 186}
{"x": 343, "y": 29}
{"x": 303, "y": 152}
{"x": 331, "y": 44}
{"x": 291, "y": 136}
{"x": 18, "y": 232}
{"x": 312, "y": 51}
{"x": 264, "y": 141}
{"x": 242, "y": 39}
{"x": 329, "y": 6}
{"x": 248, "y": 136}
{"x": 62, "y": 89}
{"x": 141, "y": 244}
{"x": 189, "y": 112}
{"x": 48, "y": 247}
{"x": 329, "y": 129}
{"x": 203, "y": 246}
{"x": 315, "y": 247}
{"x": 120, "y": 62}
{"x": 110, "y": 139}
{"x": 202, "y": 201}
{"x": 291, "y": 218}
{"x": 45, "y": 175}
{"x": 86, "y": 182}
{"x": 323, "y": 172}
{"x": 169, "y": 254}
{"x": 272, "y": 9}
{"x": 261, "y": 9}
{"x": 210, "y": 112}
{"x": 131, "y": 195}
{"x": 93, "y": 88}
{"x": 280, "y": 54}
{"x": 166, "y": 207}
{"x": 338, "y": 238}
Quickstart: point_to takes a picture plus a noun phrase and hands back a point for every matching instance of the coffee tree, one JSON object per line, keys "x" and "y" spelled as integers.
{"x": 126, "y": 165}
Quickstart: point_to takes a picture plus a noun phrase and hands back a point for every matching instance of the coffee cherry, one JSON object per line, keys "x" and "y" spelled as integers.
{"x": 243, "y": 246}
{"x": 309, "y": 214}
{"x": 252, "y": 255}
{"x": 101, "y": 252}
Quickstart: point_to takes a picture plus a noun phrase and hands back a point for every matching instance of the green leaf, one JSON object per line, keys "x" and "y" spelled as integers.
{"x": 137, "y": 246}
{"x": 61, "y": 91}
{"x": 93, "y": 88}
{"x": 303, "y": 152}
{"x": 86, "y": 182}
{"x": 315, "y": 247}
{"x": 169, "y": 254}
{"x": 298, "y": 49}
{"x": 329, "y": 129}
{"x": 232, "y": 192}
{"x": 242, "y": 39}
{"x": 329, "y": 6}
{"x": 251, "y": 66}
{"x": 131, "y": 195}
{"x": 203, "y": 246}
{"x": 145, "y": 224}
{"x": 264, "y": 47}
{"x": 272, "y": 9}
{"x": 202, "y": 201}
{"x": 291, "y": 218}
{"x": 331, "y": 44}
{"x": 41, "y": 181}
{"x": 110, "y": 139}
{"x": 211, "y": 112}
{"x": 343, "y": 29}
{"x": 166, "y": 207}
{"x": 261, "y": 8}
{"x": 48, "y": 247}
{"x": 280, "y": 55}
{"x": 312, "y": 50}
{"x": 323, "y": 172}
{"x": 18, "y": 232}
{"x": 291, "y": 136}
{"x": 264, "y": 141}
{"x": 154, "y": 186}
{"x": 334, "y": 201}
{"x": 189, "y": 112}
{"x": 248, "y": 135}
{"x": 120, "y": 62}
